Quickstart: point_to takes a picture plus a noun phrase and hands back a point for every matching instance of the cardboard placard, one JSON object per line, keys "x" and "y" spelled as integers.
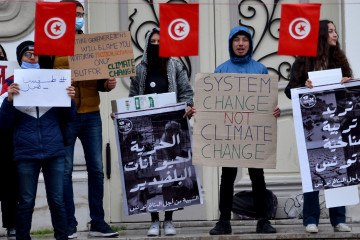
{"x": 234, "y": 125}
{"x": 102, "y": 55}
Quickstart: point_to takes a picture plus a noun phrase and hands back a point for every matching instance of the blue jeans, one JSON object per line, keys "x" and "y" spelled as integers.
{"x": 311, "y": 211}
{"x": 87, "y": 127}
{"x": 28, "y": 174}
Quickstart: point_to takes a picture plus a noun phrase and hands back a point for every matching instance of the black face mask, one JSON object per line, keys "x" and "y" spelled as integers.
{"x": 153, "y": 53}
{"x": 2, "y": 58}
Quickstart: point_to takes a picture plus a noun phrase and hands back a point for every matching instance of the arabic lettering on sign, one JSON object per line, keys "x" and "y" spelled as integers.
{"x": 41, "y": 84}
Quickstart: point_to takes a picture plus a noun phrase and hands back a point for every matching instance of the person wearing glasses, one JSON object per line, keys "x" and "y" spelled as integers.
{"x": 38, "y": 145}
{"x": 8, "y": 176}
{"x": 88, "y": 128}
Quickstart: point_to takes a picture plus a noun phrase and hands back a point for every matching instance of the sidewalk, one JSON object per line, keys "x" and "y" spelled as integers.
{"x": 194, "y": 230}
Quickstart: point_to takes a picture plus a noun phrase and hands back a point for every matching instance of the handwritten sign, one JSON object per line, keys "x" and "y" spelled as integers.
{"x": 102, "y": 55}
{"x": 327, "y": 120}
{"x": 7, "y": 72}
{"x": 42, "y": 87}
{"x": 234, "y": 125}
{"x": 155, "y": 159}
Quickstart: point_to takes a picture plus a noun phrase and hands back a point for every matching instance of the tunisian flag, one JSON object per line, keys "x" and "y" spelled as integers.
{"x": 179, "y": 29}
{"x": 299, "y": 29}
{"x": 55, "y": 28}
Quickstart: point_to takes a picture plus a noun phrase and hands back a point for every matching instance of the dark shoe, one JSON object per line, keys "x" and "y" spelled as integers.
{"x": 11, "y": 233}
{"x": 102, "y": 230}
{"x": 263, "y": 226}
{"x": 72, "y": 232}
{"x": 222, "y": 227}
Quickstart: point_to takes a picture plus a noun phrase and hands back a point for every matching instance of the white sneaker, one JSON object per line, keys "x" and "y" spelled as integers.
{"x": 312, "y": 228}
{"x": 169, "y": 228}
{"x": 342, "y": 227}
{"x": 154, "y": 229}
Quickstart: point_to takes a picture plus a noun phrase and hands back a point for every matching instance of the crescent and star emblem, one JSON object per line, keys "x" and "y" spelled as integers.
{"x": 55, "y": 28}
{"x": 299, "y": 28}
{"x": 179, "y": 29}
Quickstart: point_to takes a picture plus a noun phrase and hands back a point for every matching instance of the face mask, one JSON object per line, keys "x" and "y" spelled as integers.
{"x": 153, "y": 52}
{"x": 79, "y": 23}
{"x": 2, "y": 58}
{"x": 26, "y": 65}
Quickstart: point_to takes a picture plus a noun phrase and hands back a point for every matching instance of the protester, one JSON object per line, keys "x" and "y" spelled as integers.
{"x": 329, "y": 56}
{"x": 156, "y": 74}
{"x": 241, "y": 51}
{"x": 8, "y": 175}
{"x": 38, "y": 145}
{"x": 88, "y": 128}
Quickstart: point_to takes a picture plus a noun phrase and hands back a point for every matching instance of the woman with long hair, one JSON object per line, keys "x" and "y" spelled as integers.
{"x": 329, "y": 56}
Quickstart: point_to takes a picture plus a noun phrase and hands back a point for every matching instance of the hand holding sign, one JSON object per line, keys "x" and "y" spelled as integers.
{"x": 13, "y": 89}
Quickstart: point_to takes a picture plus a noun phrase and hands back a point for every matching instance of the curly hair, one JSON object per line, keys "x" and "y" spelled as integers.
{"x": 328, "y": 57}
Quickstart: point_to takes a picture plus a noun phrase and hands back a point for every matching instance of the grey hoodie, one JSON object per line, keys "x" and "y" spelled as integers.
{"x": 176, "y": 75}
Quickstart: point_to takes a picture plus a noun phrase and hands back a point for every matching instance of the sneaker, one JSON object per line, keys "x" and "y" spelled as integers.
{"x": 169, "y": 228}
{"x": 222, "y": 227}
{"x": 312, "y": 228}
{"x": 154, "y": 229}
{"x": 102, "y": 230}
{"x": 11, "y": 233}
{"x": 342, "y": 227}
{"x": 263, "y": 226}
{"x": 72, "y": 232}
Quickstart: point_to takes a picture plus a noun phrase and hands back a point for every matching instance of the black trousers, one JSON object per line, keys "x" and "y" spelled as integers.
{"x": 9, "y": 192}
{"x": 227, "y": 191}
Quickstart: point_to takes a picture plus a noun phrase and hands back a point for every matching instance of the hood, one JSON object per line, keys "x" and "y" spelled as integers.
{"x": 147, "y": 40}
{"x": 233, "y": 57}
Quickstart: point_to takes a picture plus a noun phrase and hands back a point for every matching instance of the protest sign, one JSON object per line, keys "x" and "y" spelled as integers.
{"x": 42, "y": 87}
{"x": 327, "y": 135}
{"x": 155, "y": 159}
{"x": 234, "y": 125}
{"x": 7, "y": 74}
{"x": 102, "y": 55}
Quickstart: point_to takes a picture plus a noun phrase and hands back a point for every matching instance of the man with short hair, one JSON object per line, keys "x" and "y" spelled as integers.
{"x": 88, "y": 128}
{"x": 241, "y": 51}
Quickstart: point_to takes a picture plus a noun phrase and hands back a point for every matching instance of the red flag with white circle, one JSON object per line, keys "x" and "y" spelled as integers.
{"x": 55, "y": 28}
{"x": 179, "y": 30}
{"x": 299, "y": 29}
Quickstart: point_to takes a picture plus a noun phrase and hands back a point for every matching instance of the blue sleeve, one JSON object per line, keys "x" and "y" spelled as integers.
{"x": 68, "y": 113}
{"x": 7, "y": 115}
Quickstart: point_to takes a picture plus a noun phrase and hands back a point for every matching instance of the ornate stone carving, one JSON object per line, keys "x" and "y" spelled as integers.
{"x": 17, "y": 19}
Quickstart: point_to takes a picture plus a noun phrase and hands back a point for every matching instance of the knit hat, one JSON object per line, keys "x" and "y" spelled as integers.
{"x": 22, "y": 48}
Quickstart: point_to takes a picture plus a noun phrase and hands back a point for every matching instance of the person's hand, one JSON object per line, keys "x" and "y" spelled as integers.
{"x": 112, "y": 115}
{"x": 72, "y": 80}
{"x": 111, "y": 83}
{"x": 190, "y": 112}
{"x": 71, "y": 91}
{"x": 276, "y": 112}
{"x": 13, "y": 89}
{"x": 346, "y": 79}
{"x": 308, "y": 83}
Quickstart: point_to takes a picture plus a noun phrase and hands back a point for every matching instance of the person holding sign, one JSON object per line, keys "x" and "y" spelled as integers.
{"x": 8, "y": 175}
{"x": 38, "y": 145}
{"x": 156, "y": 74}
{"x": 88, "y": 128}
{"x": 241, "y": 51}
{"x": 329, "y": 56}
